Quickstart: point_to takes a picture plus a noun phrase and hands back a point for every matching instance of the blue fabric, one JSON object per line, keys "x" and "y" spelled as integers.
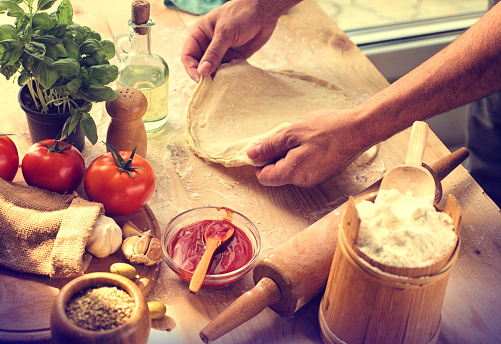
{"x": 197, "y": 7}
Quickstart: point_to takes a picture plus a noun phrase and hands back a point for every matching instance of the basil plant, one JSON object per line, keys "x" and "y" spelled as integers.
{"x": 64, "y": 65}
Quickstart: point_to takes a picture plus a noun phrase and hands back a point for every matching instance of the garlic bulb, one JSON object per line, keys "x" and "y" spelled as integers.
{"x": 106, "y": 237}
{"x": 142, "y": 249}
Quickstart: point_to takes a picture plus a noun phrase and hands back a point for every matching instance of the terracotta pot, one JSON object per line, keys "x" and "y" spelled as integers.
{"x": 135, "y": 331}
{"x": 48, "y": 126}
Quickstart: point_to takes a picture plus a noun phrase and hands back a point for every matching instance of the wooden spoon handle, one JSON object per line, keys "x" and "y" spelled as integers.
{"x": 417, "y": 144}
{"x": 199, "y": 275}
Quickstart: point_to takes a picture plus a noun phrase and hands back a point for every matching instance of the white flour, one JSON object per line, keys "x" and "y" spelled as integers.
{"x": 403, "y": 231}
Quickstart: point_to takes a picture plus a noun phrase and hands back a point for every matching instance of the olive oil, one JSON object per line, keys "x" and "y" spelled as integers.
{"x": 153, "y": 82}
{"x": 142, "y": 70}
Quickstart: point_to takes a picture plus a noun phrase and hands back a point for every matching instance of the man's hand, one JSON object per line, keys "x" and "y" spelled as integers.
{"x": 311, "y": 150}
{"x": 236, "y": 30}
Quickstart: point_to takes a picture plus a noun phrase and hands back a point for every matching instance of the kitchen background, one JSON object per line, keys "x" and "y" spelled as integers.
{"x": 399, "y": 35}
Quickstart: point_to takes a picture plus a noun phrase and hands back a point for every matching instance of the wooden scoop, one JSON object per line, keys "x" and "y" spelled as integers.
{"x": 215, "y": 235}
{"x": 412, "y": 176}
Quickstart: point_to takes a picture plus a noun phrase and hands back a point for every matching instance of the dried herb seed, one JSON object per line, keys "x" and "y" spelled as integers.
{"x": 99, "y": 309}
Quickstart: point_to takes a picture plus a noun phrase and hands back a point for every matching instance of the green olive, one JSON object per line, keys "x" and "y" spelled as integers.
{"x": 123, "y": 269}
{"x": 157, "y": 309}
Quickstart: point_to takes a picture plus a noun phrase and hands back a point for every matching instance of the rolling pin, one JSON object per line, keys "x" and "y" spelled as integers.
{"x": 297, "y": 271}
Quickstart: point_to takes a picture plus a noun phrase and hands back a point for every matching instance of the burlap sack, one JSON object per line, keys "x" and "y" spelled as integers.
{"x": 45, "y": 233}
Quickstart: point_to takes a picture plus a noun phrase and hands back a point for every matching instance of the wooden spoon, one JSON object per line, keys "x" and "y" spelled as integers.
{"x": 412, "y": 176}
{"x": 215, "y": 235}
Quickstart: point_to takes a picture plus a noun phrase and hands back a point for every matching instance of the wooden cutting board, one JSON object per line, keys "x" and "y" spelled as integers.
{"x": 26, "y": 299}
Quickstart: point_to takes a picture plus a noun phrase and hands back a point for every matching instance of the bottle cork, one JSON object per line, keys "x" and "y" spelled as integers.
{"x": 126, "y": 129}
{"x": 140, "y": 15}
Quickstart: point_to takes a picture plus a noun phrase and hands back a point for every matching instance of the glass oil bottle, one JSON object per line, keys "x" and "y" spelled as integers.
{"x": 142, "y": 70}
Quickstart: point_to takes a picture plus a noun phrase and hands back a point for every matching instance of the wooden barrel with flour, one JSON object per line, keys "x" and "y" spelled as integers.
{"x": 368, "y": 302}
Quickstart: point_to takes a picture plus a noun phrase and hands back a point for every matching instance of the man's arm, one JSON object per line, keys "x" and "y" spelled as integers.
{"x": 324, "y": 142}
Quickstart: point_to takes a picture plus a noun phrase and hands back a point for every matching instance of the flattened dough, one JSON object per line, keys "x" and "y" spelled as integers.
{"x": 243, "y": 105}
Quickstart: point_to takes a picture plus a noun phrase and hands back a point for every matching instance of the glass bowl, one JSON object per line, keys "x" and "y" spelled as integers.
{"x": 211, "y": 213}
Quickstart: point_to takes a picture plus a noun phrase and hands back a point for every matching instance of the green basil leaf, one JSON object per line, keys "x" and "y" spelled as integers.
{"x": 70, "y": 126}
{"x": 78, "y": 32}
{"x": 89, "y": 127}
{"x": 88, "y": 61}
{"x": 27, "y": 61}
{"x": 23, "y": 78}
{"x": 90, "y": 45}
{"x": 7, "y": 31}
{"x": 70, "y": 88}
{"x": 9, "y": 70}
{"x": 26, "y": 33}
{"x": 59, "y": 30}
{"x": 72, "y": 48}
{"x": 44, "y": 74}
{"x": 67, "y": 68}
{"x": 56, "y": 50}
{"x": 64, "y": 13}
{"x": 21, "y": 23}
{"x": 43, "y": 20}
{"x": 45, "y": 4}
{"x": 86, "y": 107}
{"x": 35, "y": 49}
{"x": 10, "y": 44}
{"x": 13, "y": 10}
{"x": 103, "y": 74}
{"x": 108, "y": 48}
{"x": 99, "y": 57}
{"x": 12, "y": 56}
{"x": 100, "y": 93}
{"x": 75, "y": 112}
{"x": 47, "y": 39}
{"x": 95, "y": 35}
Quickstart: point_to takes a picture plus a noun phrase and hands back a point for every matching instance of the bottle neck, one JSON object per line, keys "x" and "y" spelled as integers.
{"x": 140, "y": 37}
{"x": 140, "y": 43}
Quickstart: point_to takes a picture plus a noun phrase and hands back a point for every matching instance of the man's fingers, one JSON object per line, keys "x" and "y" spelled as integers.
{"x": 213, "y": 55}
{"x": 271, "y": 148}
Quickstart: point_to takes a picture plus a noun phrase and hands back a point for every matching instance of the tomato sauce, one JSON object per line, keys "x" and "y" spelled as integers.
{"x": 188, "y": 245}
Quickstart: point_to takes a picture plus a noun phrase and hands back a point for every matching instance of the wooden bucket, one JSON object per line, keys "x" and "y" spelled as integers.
{"x": 369, "y": 302}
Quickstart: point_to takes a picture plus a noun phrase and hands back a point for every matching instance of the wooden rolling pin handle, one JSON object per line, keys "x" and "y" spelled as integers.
{"x": 246, "y": 307}
{"x": 445, "y": 166}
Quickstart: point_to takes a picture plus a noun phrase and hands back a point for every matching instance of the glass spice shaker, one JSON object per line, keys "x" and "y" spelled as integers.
{"x": 142, "y": 70}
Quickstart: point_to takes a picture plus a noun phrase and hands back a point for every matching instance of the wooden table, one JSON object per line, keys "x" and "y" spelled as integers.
{"x": 306, "y": 40}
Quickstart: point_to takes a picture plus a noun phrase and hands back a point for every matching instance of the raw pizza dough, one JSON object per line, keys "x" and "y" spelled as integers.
{"x": 243, "y": 104}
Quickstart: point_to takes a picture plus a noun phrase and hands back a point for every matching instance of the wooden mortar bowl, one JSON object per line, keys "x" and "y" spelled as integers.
{"x": 135, "y": 331}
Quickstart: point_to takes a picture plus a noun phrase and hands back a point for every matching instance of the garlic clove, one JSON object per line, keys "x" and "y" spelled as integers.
{"x": 139, "y": 259}
{"x": 142, "y": 249}
{"x": 154, "y": 252}
{"x": 128, "y": 248}
{"x": 141, "y": 246}
{"x": 105, "y": 238}
{"x": 129, "y": 229}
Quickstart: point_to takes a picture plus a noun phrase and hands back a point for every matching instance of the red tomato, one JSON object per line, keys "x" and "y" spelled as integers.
{"x": 115, "y": 188}
{"x": 9, "y": 158}
{"x": 60, "y": 170}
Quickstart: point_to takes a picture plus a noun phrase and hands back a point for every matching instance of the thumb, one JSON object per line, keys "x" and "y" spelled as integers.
{"x": 213, "y": 56}
{"x": 271, "y": 148}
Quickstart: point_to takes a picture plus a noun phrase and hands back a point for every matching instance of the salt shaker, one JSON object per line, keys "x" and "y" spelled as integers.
{"x": 126, "y": 128}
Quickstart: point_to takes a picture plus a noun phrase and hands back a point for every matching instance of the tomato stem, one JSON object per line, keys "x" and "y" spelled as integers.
{"x": 56, "y": 148}
{"x": 123, "y": 165}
